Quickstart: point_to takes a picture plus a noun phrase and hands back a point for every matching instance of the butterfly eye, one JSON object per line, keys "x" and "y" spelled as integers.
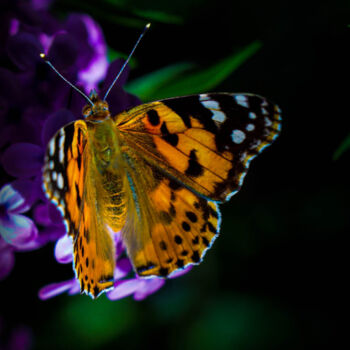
{"x": 104, "y": 105}
{"x": 86, "y": 110}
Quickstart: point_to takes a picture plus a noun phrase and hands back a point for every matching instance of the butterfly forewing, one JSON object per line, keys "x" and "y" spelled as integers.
{"x": 204, "y": 141}
{"x": 71, "y": 182}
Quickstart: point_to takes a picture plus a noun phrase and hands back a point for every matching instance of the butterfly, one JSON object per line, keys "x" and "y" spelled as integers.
{"x": 155, "y": 172}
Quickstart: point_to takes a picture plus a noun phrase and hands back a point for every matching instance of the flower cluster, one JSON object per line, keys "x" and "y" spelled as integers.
{"x": 34, "y": 104}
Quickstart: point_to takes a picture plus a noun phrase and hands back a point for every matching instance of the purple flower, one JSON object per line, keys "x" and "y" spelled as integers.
{"x": 34, "y": 104}
{"x": 15, "y": 229}
{"x": 17, "y": 232}
{"x": 138, "y": 287}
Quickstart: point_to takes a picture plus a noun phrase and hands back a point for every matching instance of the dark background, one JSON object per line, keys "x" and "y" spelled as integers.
{"x": 275, "y": 277}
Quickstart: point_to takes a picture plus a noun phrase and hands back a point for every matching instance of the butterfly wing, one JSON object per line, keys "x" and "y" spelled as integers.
{"x": 72, "y": 183}
{"x": 168, "y": 226}
{"x": 197, "y": 149}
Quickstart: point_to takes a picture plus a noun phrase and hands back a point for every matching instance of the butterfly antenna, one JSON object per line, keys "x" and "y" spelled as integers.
{"x": 127, "y": 60}
{"x": 43, "y": 56}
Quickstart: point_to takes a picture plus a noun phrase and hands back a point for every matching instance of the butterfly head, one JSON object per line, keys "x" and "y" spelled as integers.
{"x": 98, "y": 110}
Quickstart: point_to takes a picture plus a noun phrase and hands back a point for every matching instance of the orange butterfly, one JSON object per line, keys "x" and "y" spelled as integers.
{"x": 157, "y": 173}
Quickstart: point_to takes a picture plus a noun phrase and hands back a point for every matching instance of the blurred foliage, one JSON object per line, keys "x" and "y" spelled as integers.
{"x": 183, "y": 79}
{"x": 134, "y": 13}
{"x": 344, "y": 146}
{"x": 81, "y": 323}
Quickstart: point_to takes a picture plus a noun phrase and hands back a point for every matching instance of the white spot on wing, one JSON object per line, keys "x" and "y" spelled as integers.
{"x": 268, "y": 122}
{"x": 52, "y": 147}
{"x": 242, "y": 100}
{"x": 252, "y": 115}
{"x": 238, "y": 136}
{"x": 250, "y": 127}
{"x": 264, "y": 111}
{"x": 211, "y": 104}
{"x": 256, "y": 144}
{"x": 60, "y": 145}
{"x": 204, "y": 97}
{"x": 218, "y": 115}
{"x": 54, "y": 176}
{"x": 60, "y": 182}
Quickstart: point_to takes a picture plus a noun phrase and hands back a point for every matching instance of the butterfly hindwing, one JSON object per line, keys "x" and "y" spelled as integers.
{"x": 71, "y": 182}
{"x": 169, "y": 226}
{"x": 183, "y": 154}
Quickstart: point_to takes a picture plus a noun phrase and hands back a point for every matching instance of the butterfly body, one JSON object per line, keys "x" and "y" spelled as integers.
{"x": 155, "y": 172}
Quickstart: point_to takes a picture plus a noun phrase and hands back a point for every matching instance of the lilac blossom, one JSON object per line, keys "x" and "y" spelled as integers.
{"x": 17, "y": 231}
{"x": 34, "y": 104}
{"x": 138, "y": 287}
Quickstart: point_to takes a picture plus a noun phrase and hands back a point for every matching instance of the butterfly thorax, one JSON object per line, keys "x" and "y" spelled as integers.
{"x": 104, "y": 144}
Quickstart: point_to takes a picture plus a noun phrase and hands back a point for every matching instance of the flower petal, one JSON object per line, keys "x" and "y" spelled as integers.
{"x": 29, "y": 190}
{"x": 122, "y": 269}
{"x": 113, "y": 70}
{"x": 18, "y": 230}
{"x": 23, "y": 160}
{"x": 10, "y": 198}
{"x": 148, "y": 287}
{"x": 124, "y": 288}
{"x": 54, "y": 289}
{"x": 41, "y": 215}
{"x": 63, "y": 51}
{"x": 96, "y": 69}
{"x": 64, "y": 250}
{"x": 55, "y": 122}
{"x": 181, "y": 272}
{"x": 24, "y": 49}
{"x": 7, "y": 261}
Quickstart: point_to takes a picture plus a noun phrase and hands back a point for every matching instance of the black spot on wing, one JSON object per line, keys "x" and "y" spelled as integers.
{"x": 190, "y": 106}
{"x": 163, "y": 245}
{"x": 174, "y": 185}
{"x": 194, "y": 168}
{"x": 180, "y": 263}
{"x": 153, "y": 117}
{"x": 192, "y": 216}
{"x": 186, "y": 226}
{"x": 78, "y": 195}
{"x": 195, "y": 256}
{"x": 172, "y": 139}
{"x": 178, "y": 239}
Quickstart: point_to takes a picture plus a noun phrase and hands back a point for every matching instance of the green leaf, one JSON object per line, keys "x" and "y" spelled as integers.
{"x": 183, "y": 79}
{"x": 158, "y": 16}
{"x": 83, "y": 323}
{"x": 344, "y": 146}
{"x": 149, "y": 85}
{"x": 114, "y": 54}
